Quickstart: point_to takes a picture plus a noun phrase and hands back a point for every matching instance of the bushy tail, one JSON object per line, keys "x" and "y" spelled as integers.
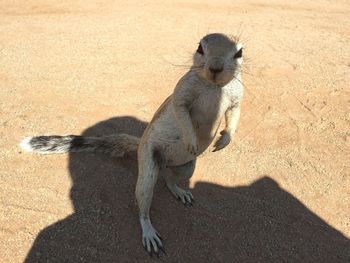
{"x": 116, "y": 145}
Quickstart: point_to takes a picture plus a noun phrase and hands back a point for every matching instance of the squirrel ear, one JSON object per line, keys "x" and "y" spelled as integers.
{"x": 239, "y": 53}
{"x": 200, "y": 49}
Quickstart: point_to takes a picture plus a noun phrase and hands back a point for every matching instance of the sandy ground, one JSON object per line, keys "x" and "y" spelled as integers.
{"x": 279, "y": 193}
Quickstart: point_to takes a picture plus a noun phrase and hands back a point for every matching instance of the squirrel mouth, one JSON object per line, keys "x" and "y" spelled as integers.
{"x": 214, "y": 78}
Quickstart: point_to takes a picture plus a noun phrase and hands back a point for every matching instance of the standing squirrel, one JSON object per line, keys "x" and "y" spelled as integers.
{"x": 182, "y": 128}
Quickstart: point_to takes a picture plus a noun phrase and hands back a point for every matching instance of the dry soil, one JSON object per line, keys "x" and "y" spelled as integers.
{"x": 279, "y": 193}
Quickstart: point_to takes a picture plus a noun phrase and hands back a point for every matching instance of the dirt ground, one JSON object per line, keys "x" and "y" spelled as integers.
{"x": 279, "y": 193}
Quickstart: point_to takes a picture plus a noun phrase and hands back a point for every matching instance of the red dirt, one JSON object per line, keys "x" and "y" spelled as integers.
{"x": 278, "y": 193}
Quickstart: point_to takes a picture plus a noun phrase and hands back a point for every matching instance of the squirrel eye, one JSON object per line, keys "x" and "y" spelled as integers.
{"x": 200, "y": 49}
{"x": 239, "y": 53}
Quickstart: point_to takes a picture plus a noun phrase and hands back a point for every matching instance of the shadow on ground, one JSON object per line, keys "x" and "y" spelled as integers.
{"x": 256, "y": 223}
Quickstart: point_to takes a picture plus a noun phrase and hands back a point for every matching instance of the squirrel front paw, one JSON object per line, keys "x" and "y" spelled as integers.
{"x": 223, "y": 141}
{"x": 191, "y": 145}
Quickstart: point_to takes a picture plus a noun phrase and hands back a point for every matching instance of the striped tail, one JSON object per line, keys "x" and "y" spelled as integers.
{"x": 115, "y": 145}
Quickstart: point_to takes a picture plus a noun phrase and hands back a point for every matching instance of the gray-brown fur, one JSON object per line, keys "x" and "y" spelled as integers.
{"x": 181, "y": 129}
{"x": 187, "y": 122}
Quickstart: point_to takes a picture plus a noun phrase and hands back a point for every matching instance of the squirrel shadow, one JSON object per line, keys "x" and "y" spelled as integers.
{"x": 260, "y": 222}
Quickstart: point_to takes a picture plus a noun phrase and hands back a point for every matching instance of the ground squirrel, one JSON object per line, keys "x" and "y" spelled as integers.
{"x": 182, "y": 128}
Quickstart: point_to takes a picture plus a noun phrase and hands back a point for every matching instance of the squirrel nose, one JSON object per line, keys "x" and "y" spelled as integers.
{"x": 216, "y": 70}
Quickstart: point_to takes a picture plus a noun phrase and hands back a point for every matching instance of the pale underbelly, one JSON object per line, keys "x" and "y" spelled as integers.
{"x": 176, "y": 153}
{"x": 167, "y": 137}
